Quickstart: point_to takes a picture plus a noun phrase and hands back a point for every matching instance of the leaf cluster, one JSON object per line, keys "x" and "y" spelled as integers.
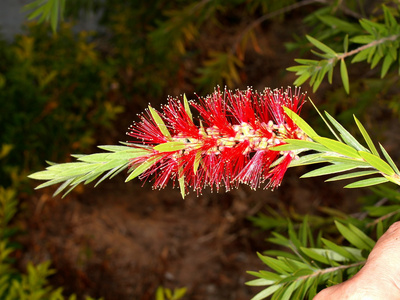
{"x": 311, "y": 262}
{"x": 89, "y": 167}
{"x": 379, "y": 42}
{"x": 344, "y": 154}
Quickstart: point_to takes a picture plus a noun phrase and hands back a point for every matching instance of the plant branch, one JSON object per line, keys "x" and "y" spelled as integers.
{"x": 330, "y": 270}
{"x": 366, "y": 46}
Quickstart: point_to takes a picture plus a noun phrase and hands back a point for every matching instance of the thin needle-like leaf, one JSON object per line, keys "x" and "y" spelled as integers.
{"x": 325, "y": 121}
{"x": 389, "y": 160}
{"x": 346, "y": 136}
{"x": 300, "y": 122}
{"x": 366, "y": 137}
{"x": 160, "y": 123}
{"x": 367, "y": 182}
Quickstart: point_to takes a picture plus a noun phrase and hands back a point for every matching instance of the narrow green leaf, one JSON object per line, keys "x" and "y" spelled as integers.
{"x": 321, "y": 46}
{"x": 142, "y": 168}
{"x": 301, "y": 68}
{"x": 42, "y": 175}
{"x": 352, "y": 175}
{"x": 376, "y": 59}
{"x": 170, "y": 146}
{"x": 293, "y": 144}
{"x": 338, "y": 249}
{"x": 310, "y": 62}
{"x": 390, "y": 20}
{"x": 112, "y": 173}
{"x": 197, "y": 160}
{"x": 330, "y": 74}
{"x": 345, "y": 76}
{"x": 160, "y": 293}
{"x": 338, "y": 147}
{"x": 387, "y": 62}
{"x": 350, "y": 161}
{"x": 367, "y": 182}
{"x": 315, "y": 256}
{"x": 266, "y": 275}
{"x": 62, "y": 187}
{"x": 389, "y": 160}
{"x": 377, "y": 163}
{"x": 379, "y": 229}
{"x": 259, "y": 282}
{"x": 181, "y": 180}
{"x": 35, "y": 13}
{"x": 300, "y": 122}
{"x": 289, "y": 291}
{"x": 54, "y": 14}
{"x": 273, "y": 263}
{"x": 301, "y": 79}
{"x": 346, "y": 43}
{"x": 187, "y": 107}
{"x": 366, "y": 136}
{"x": 355, "y": 236}
{"x": 362, "y": 39}
{"x": 308, "y": 160}
{"x": 323, "y": 119}
{"x": 346, "y": 136}
{"x": 336, "y": 23}
{"x": 361, "y": 56}
{"x": 329, "y": 170}
{"x": 160, "y": 123}
{"x": 267, "y": 292}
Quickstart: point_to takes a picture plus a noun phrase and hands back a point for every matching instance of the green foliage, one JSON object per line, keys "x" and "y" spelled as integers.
{"x": 168, "y": 294}
{"x": 46, "y": 10}
{"x": 379, "y": 40}
{"x": 51, "y": 107}
{"x": 343, "y": 154}
{"x": 311, "y": 262}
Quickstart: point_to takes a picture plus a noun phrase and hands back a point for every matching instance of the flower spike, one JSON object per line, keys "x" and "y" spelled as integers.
{"x": 230, "y": 144}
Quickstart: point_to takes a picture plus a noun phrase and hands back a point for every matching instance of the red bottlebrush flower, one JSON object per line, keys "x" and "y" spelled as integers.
{"x": 229, "y": 144}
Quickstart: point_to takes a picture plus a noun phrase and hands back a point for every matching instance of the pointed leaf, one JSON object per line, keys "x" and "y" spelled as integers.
{"x": 377, "y": 163}
{"x": 308, "y": 159}
{"x": 160, "y": 123}
{"x": 389, "y": 160}
{"x": 328, "y": 170}
{"x": 346, "y": 136}
{"x": 367, "y": 182}
{"x": 355, "y": 236}
{"x": 142, "y": 168}
{"x": 321, "y": 46}
{"x": 338, "y": 249}
{"x": 300, "y": 122}
{"x": 170, "y": 146}
{"x": 323, "y": 119}
{"x": 352, "y": 175}
{"x": 345, "y": 76}
{"x": 337, "y": 147}
{"x": 187, "y": 107}
{"x": 293, "y": 144}
{"x": 366, "y": 137}
{"x": 387, "y": 62}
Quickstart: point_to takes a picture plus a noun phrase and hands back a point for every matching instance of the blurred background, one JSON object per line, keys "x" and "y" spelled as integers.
{"x": 67, "y": 91}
